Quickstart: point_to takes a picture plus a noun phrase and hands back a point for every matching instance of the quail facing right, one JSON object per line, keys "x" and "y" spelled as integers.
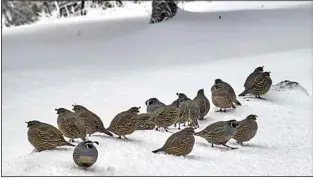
{"x": 70, "y": 124}
{"x": 44, "y": 136}
{"x": 153, "y": 104}
{"x": 85, "y": 154}
{"x": 247, "y": 129}
{"x": 144, "y": 122}
{"x": 180, "y": 143}
{"x": 230, "y": 89}
{"x": 125, "y": 123}
{"x": 92, "y": 121}
{"x": 203, "y": 102}
{"x": 189, "y": 111}
{"x": 165, "y": 116}
{"x": 221, "y": 96}
{"x": 219, "y": 133}
{"x": 259, "y": 86}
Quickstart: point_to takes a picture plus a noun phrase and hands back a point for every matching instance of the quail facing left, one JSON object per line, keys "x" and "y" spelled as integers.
{"x": 153, "y": 104}
{"x": 259, "y": 86}
{"x": 247, "y": 129}
{"x": 70, "y": 124}
{"x": 125, "y": 123}
{"x": 85, "y": 154}
{"x": 44, "y": 136}
{"x": 203, "y": 103}
{"x": 92, "y": 121}
{"x": 230, "y": 90}
{"x": 180, "y": 143}
{"x": 219, "y": 133}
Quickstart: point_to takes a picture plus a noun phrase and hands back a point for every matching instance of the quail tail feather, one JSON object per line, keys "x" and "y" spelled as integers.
{"x": 243, "y": 93}
{"x": 105, "y": 131}
{"x": 237, "y": 102}
{"x": 158, "y": 150}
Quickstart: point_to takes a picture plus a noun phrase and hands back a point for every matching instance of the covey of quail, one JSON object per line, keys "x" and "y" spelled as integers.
{"x": 246, "y": 129}
{"x": 85, "y": 154}
{"x": 144, "y": 122}
{"x": 125, "y": 123}
{"x": 44, "y": 136}
{"x": 259, "y": 86}
{"x": 189, "y": 111}
{"x": 203, "y": 103}
{"x": 180, "y": 143}
{"x": 152, "y": 104}
{"x": 164, "y": 116}
{"x": 70, "y": 124}
{"x": 221, "y": 96}
{"x": 92, "y": 121}
{"x": 219, "y": 133}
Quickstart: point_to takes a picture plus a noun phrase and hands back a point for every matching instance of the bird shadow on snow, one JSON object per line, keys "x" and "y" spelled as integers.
{"x": 131, "y": 140}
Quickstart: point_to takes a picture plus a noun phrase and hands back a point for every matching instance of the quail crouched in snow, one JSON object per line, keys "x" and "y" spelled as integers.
{"x": 203, "y": 103}
{"x": 219, "y": 133}
{"x": 164, "y": 116}
{"x": 92, "y": 121}
{"x": 144, "y": 122}
{"x": 252, "y": 76}
{"x": 45, "y": 136}
{"x": 189, "y": 111}
{"x": 125, "y": 123}
{"x": 247, "y": 129}
{"x": 85, "y": 154}
{"x": 180, "y": 143}
{"x": 70, "y": 124}
{"x": 223, "y": 95}
{"x": 259, "y": 86}
{"x": 153, "y": 104}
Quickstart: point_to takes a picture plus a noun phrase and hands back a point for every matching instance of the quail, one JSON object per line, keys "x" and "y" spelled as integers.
{"x": 251, "y": 77}
{"x": 230, "y": 90}
{"x": 44, "y": 136}
{"x": 92, "y": 121}
{"x": 203, "y": 103}
{"x": 189, "y": 111}
{"x": 125, "y": 123}
{"x": 144, "y": 122}
{"x": 246, "y": 129}
{"x": 221, "y": 96}
{"x": 165, "y": 116}
{"x": 219, "y": 133}
{"x": 85, "y": 154}
{"x": 152, "y": 104}
{"x": 70, "y": 124}
{"x": 180, "y": 143}
{"x": 259, "y": 86}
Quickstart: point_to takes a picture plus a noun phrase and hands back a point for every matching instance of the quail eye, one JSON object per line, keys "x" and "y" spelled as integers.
{"x": 89, "y": 146}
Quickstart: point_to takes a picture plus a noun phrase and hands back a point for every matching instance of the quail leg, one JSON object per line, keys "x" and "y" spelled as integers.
{"x": 229, "y": 146}
{"x": 240, "y": 143}
{"x": 212, "y": 145}
{"x": 71, "y": 140}
{"x": 221, "y": 110}
{"x": 90, "y": 135}
{"x": 125, "y": 137}
{"x": 157, "y": 128}
{"x": 165, "y": 129}
{"x": 119, "y": 137}
{"x": 224, "y": 110}
{"x": 178, "y": 126}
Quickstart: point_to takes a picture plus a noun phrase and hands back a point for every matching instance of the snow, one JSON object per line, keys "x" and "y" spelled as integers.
{"x": 111, "y": 65}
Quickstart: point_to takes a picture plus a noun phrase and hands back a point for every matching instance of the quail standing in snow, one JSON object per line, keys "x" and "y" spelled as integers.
{"x": 85, "y": 154}
{"x": 144, "y": 122}
{"x": 71, "y": 125}
{"x": 203, "y": 103}
{"x": 180, "y": 143}
{"x": 259, "y": 86}
{"x": 152, "y": 104}
{"x": 247, "y": 129}
{"x": 92, "y": 121}
{"x": 230, "y": 90}
{"x": 45, "y": 136}
{"x": 165, "y": 116}
{"x": 219, "y": 133}
{"x": 189, "y": 111}
{"x": 252, "y": 76}
{"x": 221, "y": 96}
{"x": 125, "y": 123}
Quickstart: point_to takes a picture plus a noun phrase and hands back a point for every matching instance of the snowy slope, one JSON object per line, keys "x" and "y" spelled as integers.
{"x": 111, "y": 65}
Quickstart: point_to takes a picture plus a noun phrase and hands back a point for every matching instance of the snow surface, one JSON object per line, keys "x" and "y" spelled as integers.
{"x": 111, "y": 65}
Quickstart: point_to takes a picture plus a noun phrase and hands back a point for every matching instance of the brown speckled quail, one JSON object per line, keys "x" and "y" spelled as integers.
{"x": 219, "y": 133}
{"x": 71, "y": 125}
{"x": 144, "y": 122}
{"x": 125, "y": 123}
{"x": 221, "y": 97}
{"x": 203, "y": 103}
{"x": 45, "y": 136}
{"x": 259, "y": 86}
{"x": 92, "y": 121}
{"x": 165, "y": 116}
{"x": 230, "y": 89}
{"x": 189, "y": 111}
{"x": 251, "y": 77}
{"x": 180, "y": 143}
{"x": 247, "y": 129}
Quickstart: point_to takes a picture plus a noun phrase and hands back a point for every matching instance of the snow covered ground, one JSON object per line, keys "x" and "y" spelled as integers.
{"x": 111, "y": 65}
